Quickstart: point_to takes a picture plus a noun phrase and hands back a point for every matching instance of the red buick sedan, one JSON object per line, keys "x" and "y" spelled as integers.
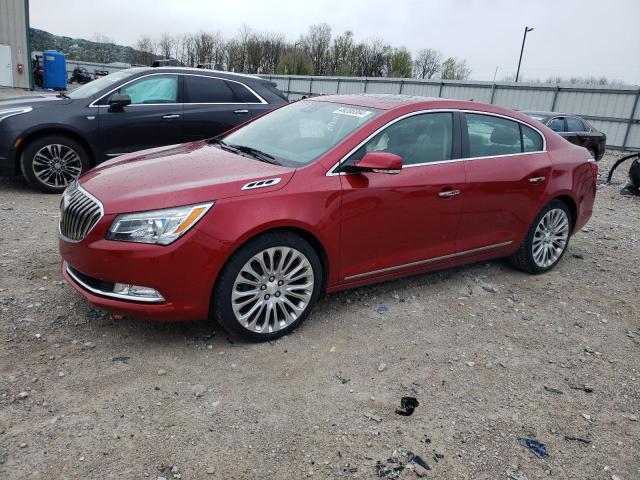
{"x": 320, "y": 195}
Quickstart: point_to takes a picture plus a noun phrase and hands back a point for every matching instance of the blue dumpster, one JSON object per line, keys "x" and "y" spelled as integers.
{"x": 55, "y": 70}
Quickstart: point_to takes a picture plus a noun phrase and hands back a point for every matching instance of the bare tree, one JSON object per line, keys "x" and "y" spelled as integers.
{"x": 317, "y": 43}
{"x": 144, "y": 51}
{"x": 104, "y": 48}
{"x": 165, "y": 45}
{"x": 427, "y": 63}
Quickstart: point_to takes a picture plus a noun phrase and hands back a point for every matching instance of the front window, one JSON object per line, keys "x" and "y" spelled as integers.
{"x": 418, "y": 139}
{"x": 149, "y": 90}
{"x": 90, "y": 89}
{"x": 300, "y": 133}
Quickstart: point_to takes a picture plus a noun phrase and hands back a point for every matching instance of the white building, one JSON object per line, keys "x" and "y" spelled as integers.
{"x": 15, "y": 57}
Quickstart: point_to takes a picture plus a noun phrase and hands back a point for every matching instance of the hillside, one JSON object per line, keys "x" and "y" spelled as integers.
{"x": 87, "y": 50}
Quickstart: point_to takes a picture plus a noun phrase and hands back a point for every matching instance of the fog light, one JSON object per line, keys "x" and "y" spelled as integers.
{"x": 137, "y": 291}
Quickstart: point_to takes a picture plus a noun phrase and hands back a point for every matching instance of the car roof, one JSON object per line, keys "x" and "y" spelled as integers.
{"x": 379, "y": 101}
{"x": 546, "y": 114}
{"x": 207, "y": 71}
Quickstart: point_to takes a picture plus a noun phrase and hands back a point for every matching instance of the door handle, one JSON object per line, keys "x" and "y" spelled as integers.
{"x": 449, "y": 193}
{"x": 241, "y": 111}
{"x": 170, "y": 116}
{"x": 537, "y": 179}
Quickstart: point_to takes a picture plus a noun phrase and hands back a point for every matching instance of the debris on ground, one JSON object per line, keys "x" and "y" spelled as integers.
{"x": 569, "y": 438}
{"x": 373, "y": 417}
{"x": 383, "y": 309}
{"x": 121, "y": 359}
{"x": 553, "y": 389}
{"x": 407, "y": 406}
{"x": 539, "y": 449}
{"x": 399, "y": 461}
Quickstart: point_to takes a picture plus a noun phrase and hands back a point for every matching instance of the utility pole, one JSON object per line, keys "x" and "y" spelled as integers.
{"x": 524, "y": 39}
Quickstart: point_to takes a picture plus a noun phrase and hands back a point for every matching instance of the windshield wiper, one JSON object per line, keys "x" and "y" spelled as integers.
{"x": 223, "y": 145}
{"x": 62, "y": 95}
{"x": 258, "y": 154}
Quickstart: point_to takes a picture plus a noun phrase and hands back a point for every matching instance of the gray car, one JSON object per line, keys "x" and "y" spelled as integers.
{"x": 52, "y": 139}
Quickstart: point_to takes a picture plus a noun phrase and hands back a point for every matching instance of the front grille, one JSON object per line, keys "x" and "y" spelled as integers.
{"x": 79, "y": 213}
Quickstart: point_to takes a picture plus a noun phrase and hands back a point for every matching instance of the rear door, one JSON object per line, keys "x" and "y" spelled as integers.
{"x": 394, "y": 223}
{"x": 153, "y": 119}
{"x": 211, "y": 106}
{"x": 507, "y": 169}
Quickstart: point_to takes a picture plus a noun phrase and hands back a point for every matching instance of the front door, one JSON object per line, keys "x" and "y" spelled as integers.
{"x": 153, "y": 119}
{"x": 6, "y": 68}
{"x": 399, "y": 222}
{"x": 506, "y": 172}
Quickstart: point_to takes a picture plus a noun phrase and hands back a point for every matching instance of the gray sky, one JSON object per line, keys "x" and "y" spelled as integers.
{"x": 571, "y": 37}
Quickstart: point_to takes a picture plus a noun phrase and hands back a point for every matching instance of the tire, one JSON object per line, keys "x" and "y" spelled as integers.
{"x": 530, "y": 257}
{"x": 52, "y": 162}
{"x": 259, "y": 300}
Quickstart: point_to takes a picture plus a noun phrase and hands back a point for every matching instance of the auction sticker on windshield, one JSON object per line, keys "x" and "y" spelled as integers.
{"x": 353, "y": 112}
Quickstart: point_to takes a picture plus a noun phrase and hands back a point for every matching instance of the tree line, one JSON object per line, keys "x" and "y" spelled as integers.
{"x": 317, "y": 52}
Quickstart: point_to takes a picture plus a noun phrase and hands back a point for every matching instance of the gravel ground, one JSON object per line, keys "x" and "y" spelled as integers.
{"x": 491, "y": 354}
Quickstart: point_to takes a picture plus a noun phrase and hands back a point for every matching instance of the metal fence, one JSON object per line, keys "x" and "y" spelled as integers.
{"x": 613, "y": 110}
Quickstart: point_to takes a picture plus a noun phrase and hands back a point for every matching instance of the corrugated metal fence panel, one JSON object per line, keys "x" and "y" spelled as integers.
{"x": 422, "y": 89}
{"x": 348, "y": 86}
{"x": 459, "y": 92}
{"x": 524, "y": 99}
{"x": 595, "y": 103}
{"x": 634, "y": 135}
{"x": 300, "y": 84}
{"x": 615, "y": 131}
{"x": 608, "y": 108}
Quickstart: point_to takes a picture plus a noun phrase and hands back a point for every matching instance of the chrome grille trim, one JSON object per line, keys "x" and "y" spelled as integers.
{"x": 262, "y": 183}
{"x": 79, "y": 213}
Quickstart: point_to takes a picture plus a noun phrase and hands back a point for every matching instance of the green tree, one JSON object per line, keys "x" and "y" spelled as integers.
{"x": 401, "y": 65}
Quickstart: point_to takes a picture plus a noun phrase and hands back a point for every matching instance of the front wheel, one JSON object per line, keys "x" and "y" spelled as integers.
{"x": 268, "y": 287}
{"x": 546, "y": 240}
{"x": 52, "y": 162}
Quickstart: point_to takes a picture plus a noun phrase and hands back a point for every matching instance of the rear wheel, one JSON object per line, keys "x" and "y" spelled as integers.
{"x": 52, "y": 162}
{"x": 268, "y": 287}
{"x": 546, "y": 240}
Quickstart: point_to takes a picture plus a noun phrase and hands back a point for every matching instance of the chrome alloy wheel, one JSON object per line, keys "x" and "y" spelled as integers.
{"x": 57, "y": 165}
{"x": 272, "y": 289}
{"x": 551, "y": 237}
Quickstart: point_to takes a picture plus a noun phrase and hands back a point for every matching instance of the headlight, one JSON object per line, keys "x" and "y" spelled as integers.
{"x": 158, "y": 226}
{"x": 10, "y": 112}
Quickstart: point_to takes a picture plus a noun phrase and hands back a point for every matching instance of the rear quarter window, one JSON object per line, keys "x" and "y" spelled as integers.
{"x": 531, "y": 140}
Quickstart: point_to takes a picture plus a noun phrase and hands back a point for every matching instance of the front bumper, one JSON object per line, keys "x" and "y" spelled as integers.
{"x": 7, "y": 154}
{"x": 183, "y": 272}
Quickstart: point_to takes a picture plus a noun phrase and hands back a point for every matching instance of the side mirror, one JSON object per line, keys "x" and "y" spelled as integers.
{"x": 118, "y": 101}
{"x": 378, "y": 162}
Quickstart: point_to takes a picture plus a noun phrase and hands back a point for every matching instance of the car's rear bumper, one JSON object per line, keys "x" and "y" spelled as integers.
{"x": 184, "y": 273}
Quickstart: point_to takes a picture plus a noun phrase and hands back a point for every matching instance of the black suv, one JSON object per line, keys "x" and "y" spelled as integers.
{"x": 53, "y": 139}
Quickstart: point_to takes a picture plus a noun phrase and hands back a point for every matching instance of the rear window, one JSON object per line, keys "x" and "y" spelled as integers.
{"x": 198, "y": 89}
{"x": 491, "y": 136}
{"x": 575, "y": 125}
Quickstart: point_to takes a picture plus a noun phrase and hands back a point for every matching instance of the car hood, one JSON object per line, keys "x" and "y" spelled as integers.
{"x": 177, "y": 175}
{"x": 31, "y": 101}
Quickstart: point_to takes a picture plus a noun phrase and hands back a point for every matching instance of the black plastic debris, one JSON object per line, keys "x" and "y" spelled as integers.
{"x": 121, "y": 359}
{"x": 553, "y": 390}
{"x": 539, "y": 449}
{"x": 417, "y": 459}
{"x": 569, "y": 438}
{"x": 342, "y": 379}
{"x": 407, "y": 406}
{"x": 61, "y": 318}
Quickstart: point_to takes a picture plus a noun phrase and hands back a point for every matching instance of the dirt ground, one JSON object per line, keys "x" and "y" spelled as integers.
{"x": 485, "y": 349}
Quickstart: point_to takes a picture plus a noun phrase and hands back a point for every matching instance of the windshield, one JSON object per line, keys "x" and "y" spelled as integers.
{"x": 89, "y": 89}
{"x": 299, "y": 133}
